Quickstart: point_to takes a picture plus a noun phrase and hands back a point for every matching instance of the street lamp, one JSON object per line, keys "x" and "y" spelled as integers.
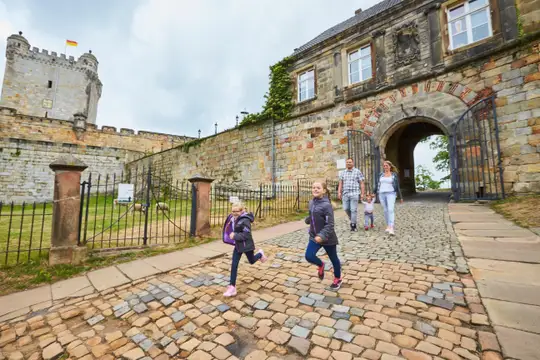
{"x": 216, "y": 126}
{"x": 199, "y": 133}
{"x": 236, "y": 120}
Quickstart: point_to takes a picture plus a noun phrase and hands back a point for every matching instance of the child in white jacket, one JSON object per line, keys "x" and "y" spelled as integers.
{"x": 368, "y": 211}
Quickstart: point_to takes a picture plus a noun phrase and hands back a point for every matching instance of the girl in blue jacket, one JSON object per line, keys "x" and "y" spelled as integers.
{"x": 322, "y": 233}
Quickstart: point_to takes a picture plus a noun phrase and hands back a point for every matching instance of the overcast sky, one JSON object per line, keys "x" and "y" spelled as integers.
{"x": 176, "y": 66}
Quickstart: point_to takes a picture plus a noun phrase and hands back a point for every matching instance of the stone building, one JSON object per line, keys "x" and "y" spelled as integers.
{"x": 37, "y": 83}
{"x": 377, "y": 83}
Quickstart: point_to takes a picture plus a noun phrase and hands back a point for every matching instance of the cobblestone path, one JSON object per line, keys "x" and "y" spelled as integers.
{"x": 402, "y": 299}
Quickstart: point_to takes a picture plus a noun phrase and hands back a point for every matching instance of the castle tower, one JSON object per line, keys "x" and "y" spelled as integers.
{"x": 40, "y": 84}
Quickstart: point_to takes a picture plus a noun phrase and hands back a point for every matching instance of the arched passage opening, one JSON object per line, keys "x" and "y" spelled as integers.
{"x": 399, "y": 142}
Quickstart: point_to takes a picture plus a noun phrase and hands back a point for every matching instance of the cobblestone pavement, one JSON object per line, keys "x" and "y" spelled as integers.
{"x": 388, "y": 309}
{"x": 423, "y": 235}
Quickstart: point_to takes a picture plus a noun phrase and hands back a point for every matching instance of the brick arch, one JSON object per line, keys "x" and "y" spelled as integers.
{"x": 409, "y": 95}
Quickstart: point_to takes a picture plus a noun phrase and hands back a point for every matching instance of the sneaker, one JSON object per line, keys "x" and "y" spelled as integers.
{"x": 263, "y": 258}
{"x": 231, "y": 291}
{"x": 353, "y": 227}
{"x": 372, "y": 226}
{"x": 336, "y": 284}
{"x": 391, "y": 231}
{"x": 387, "y": 229}
{"x": 366, "y": 228}
{"x": 320, "y": 272}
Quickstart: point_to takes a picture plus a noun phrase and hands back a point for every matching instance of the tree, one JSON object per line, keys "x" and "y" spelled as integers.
{"x": 424, "y": 179}
{"x": 442, "y": 158}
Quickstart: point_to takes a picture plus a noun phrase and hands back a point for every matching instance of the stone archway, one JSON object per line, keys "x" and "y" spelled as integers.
{"x": 398, "y": 143}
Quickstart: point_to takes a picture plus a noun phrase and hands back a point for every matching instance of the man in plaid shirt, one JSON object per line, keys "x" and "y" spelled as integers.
{"x": 351, "y": 186}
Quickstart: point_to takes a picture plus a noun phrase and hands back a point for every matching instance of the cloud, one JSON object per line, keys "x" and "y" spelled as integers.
{"x": 176, "y": 66}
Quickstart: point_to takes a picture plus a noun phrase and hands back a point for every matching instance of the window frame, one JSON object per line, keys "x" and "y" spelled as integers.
{"x": 299, "y": 84}
{"x": 467, "y": 17}
{"x": 359, "y": 60}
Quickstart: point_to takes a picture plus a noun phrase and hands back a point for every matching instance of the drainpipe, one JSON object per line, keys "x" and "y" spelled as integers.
{"x": 273, "y": 161}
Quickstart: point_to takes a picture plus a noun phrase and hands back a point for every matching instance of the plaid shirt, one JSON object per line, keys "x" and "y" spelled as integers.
{"x": 351, "y": 181}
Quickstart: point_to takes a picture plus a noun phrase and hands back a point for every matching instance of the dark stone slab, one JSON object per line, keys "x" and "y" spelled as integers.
{"x": 223, "y": 308}
{"x": 339, "y": 315}
{"x": 425, "y": 299}
{"x": 147, "y": 298}
{"x": 444, "y": 304}
{"x": 333, "y": 300}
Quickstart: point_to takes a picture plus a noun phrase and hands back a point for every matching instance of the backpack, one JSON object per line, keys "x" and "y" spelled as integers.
{"x": 227, "y": 230}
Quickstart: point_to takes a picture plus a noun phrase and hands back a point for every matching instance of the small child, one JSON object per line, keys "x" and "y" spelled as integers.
{"x": 237, "y": 232}
{"x": 322, "y": 233}
{"x": 368, "y": 211}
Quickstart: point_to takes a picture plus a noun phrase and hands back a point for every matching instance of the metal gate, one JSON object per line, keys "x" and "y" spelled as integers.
{"x": 477, "y": 172}
{"x": 159, "y": 212}
{"x": 365, "y": 155}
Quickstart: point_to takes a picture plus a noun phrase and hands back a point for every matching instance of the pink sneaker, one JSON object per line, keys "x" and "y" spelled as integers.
{"x": 231, "y": 291}
{"x": 263, "y": 258}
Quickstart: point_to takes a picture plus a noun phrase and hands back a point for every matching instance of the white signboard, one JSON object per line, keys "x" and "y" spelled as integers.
{"x": 125, "y": 193}
{"x": 234, "y": 199}
{"x": 341, "y": 163}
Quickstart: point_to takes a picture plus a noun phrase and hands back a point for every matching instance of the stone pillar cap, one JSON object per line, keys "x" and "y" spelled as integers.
{"x": 68, "y": 162}
{"x": 200, "y": 178}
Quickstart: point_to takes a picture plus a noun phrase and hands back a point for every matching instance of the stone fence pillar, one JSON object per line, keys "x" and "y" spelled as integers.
{"x": 66, "y": 210}
{"x": 200, "y": 205}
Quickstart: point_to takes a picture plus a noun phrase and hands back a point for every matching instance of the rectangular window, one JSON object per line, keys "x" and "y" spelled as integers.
{"x": 306, "y": 85}
{"x": 468, "y": 23}
{"x": 49, "y": 85}
{"x": 360, "y": 65}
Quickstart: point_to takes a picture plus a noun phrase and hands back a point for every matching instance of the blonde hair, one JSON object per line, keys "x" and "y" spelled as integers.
{"x": 393, "y": 168}
{"x": 238, "y": 205}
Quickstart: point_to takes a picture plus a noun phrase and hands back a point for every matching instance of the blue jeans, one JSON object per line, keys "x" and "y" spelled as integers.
{"x": 236, "y": 260}
{"x": 331, "y": 250}
{"x": 367, "y": 218}
{"x": 388, "y": 201}
{"x": 350, "y": 205}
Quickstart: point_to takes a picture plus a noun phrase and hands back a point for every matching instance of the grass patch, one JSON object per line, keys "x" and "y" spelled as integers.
{"x": 522, "y": 210}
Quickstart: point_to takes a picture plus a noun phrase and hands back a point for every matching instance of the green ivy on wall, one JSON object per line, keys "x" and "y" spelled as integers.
{"x": 279, "y": 99}
{"x": 521, "y": 33}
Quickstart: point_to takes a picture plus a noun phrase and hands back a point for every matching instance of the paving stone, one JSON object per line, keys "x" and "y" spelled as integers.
{"x": 224, "y": 339}
{"x": 52, "y": 351}
{"x": 444, "y": 304}
{"x": 223, "y": 308}
{"x": 178, "y": 316}
{"x": 342, "y": 325}
{"x": 340, "y": 315}
{"x": 357, "y": 312}
{"x": 140, "y": 308}
{"x": 300, "y": 332}
{"x": 96, "y": 319}
{"x": 306, "y": 301}
{"x": 138, "y": 338}
{"x": 343, "y": 335}
{"x": 146, "y": 344}
{"x": 324, "y": 331}
{"x": 291, "y": 322}
{"x": 147, "y": 298}
{"x": 247, "y": 322}
{"x": 333, "y": 300}
{"x": 122, "y": 311}
{"x": 172, "y": 349}
{"x": 425, "y": 328}
{"x": 425, "y": 299}
{"x": 168, "y": 300}
{"x": 261, "y": 305}
{"x": 279, "y": 337}
{"x": 301, "y": 345}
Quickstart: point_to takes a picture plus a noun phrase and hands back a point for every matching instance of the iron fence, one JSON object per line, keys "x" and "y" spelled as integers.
{"x": 159, "y": 211}
{"x": 266, "y": 201}
{"x": 25, "y": 231}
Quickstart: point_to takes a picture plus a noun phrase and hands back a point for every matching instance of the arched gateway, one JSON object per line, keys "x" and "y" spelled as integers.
{"x": 471, "y": 127}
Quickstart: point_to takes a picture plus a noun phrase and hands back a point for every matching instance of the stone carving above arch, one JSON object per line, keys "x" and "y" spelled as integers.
{"x": 461, "y": 97}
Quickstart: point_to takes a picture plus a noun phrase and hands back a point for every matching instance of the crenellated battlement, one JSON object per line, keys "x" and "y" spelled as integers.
{"x": 13, "y": 124}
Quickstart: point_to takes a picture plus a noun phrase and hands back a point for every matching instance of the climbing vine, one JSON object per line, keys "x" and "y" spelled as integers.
{"x": 521, "y": 33}
{"x": 279, "y": 98}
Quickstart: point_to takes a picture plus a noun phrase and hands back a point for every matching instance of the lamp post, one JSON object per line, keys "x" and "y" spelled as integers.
{"x": 199, "y": 133}
{"x": 216, "y": 126}
{"x": 236, "y": 120}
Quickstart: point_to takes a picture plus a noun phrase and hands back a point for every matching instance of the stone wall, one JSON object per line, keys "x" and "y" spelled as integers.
{"x": 29, "y": 144}
{"x": 308, "y": 145}
{"x": 25, "y": 175}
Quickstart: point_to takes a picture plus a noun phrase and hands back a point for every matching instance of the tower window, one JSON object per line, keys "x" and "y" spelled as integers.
{"x": 49, "y": 85}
